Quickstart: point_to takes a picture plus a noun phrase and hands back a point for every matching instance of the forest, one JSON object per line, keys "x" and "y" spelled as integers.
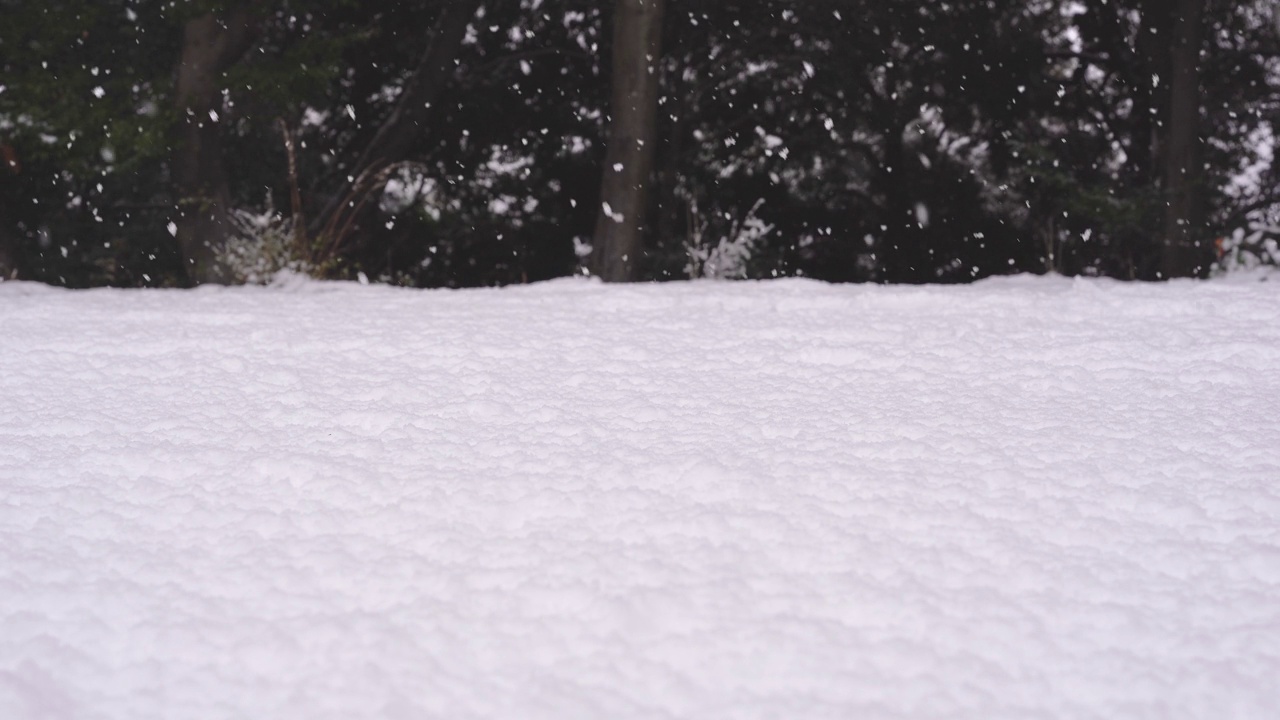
{"x": 462, "y": 143}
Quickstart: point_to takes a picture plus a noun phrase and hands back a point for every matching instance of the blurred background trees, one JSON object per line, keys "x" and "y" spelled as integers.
{"x": 474, "y": 142}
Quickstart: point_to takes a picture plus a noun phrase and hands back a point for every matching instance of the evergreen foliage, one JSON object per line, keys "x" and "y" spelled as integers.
{"x": 847, "y": 140}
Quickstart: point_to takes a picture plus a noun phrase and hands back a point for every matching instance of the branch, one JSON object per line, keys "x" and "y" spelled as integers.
{"x": 295, "y": 195}
{"x": 476, "y": 72}
{"x": 1096, "y": 58}
{"x": 414, "y": 107}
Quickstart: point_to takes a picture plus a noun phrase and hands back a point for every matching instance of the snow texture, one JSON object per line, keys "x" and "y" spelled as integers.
{"x": 1023, "y": 499}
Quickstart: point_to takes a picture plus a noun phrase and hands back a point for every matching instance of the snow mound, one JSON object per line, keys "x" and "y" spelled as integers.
{"x": 1025, "y": 498}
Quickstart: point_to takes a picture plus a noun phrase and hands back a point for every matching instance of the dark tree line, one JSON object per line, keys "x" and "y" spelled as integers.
{"x": 478, "y": 142}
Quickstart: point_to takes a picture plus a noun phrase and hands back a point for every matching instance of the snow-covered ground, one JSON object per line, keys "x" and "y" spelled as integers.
{"x": 1026, "y": 498}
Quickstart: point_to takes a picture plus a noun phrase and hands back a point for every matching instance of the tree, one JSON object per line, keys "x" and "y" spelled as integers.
{"x": 1142, "y": 156}
{"x": 1185, "y": 252}
{"x": 211, "y": 45}
{"x": 9, "y": 264}
{"x": 624, "y": 193}
{"x": 415, "y": 106}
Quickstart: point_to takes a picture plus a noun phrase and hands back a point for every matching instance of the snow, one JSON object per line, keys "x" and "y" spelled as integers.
{"x": 1026, "y": 498}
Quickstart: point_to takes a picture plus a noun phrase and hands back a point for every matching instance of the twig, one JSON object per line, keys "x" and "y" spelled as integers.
{"x": 295, "y": 194}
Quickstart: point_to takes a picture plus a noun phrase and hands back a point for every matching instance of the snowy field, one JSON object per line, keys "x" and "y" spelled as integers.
{"x": 1029, "y": 498}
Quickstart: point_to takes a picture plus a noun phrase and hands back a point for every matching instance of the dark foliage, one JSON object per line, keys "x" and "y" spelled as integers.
{"x": 847, "y": 140}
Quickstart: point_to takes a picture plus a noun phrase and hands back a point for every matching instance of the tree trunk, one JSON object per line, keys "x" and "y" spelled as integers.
{"x": 903, "y": 250}
{"x": 1184, "y": 254}
{"x": 1148, "y": 78}
{"x": 210, "y": 46}
{"x": 395, "y": 137}
{"x": 620, "y": 225}
{"x": 8, "y": 251}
